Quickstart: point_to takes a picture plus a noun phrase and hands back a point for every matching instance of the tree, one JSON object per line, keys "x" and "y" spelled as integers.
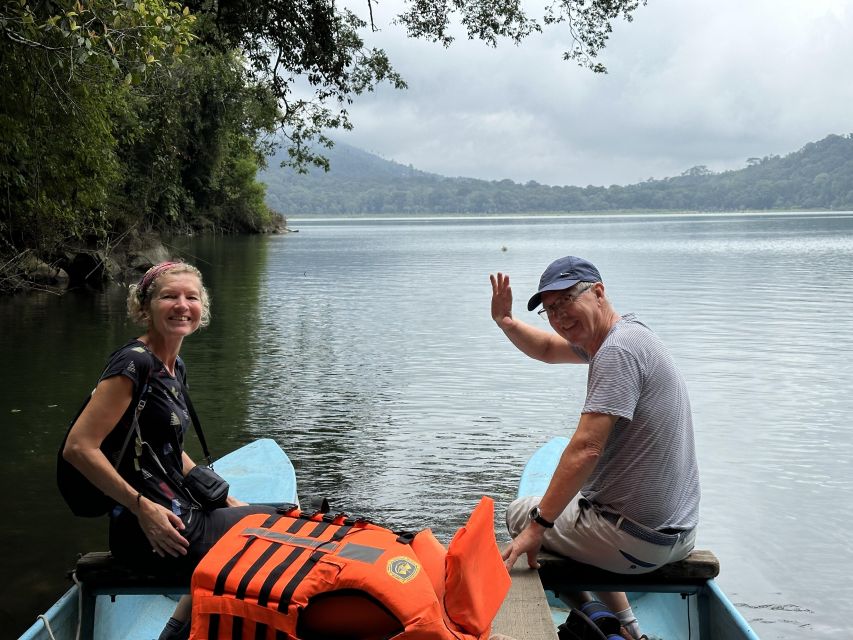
{"x": 68, "y": 69}
{"x": 698, "y": 170}
{"x": 324, "y": 45}
{"x": 193, "y": 147}
{"x": 589, "y": 22}
{"x": 151, "y": 114}
{"x": 131, "y": 35}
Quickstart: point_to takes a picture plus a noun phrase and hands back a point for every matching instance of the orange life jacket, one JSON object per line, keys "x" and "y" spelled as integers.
{"x": 310, "y": 576}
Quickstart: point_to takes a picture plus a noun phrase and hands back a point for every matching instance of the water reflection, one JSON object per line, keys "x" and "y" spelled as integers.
{"x": 404, "y": 401}
{"x": 365, "y": 348}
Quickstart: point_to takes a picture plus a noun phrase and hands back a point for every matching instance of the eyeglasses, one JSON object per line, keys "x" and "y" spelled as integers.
{"x": 554, "y": 310}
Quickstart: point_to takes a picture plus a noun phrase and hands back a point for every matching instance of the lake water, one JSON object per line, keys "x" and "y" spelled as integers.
{"x": 367, "y": 350}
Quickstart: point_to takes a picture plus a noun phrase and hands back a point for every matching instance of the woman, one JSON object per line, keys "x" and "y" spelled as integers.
{"x": 154, "y": 520}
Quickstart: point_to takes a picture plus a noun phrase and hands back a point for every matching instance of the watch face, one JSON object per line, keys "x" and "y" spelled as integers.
{"x": 536, "y": 516}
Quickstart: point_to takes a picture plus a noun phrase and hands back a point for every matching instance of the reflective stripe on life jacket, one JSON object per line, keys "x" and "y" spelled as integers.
{"x": 313, "y": 576}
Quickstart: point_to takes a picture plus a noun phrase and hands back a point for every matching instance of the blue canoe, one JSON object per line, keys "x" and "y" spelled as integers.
{"x": 679, "y": 601}
{"x": 259, "y": 472}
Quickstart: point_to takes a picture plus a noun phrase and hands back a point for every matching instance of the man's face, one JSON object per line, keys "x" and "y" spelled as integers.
{"x": 574, "y": 317}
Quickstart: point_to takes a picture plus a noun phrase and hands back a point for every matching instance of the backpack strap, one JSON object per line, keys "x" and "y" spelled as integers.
{"x": 141, "y": 396}
{"x": 134, "y": 425}
{"x": 181, "y": 372}
{"x": 197, "y": 426}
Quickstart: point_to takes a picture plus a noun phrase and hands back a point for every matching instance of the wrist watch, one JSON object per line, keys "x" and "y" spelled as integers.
{"x": 536, "y": 516}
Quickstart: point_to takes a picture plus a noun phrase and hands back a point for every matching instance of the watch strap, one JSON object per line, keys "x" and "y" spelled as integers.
{"x": 536, "y": 516}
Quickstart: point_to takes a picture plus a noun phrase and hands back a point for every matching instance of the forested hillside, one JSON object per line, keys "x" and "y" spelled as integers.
{"x": 123, "y": 120}
{"x": 120, "y": 120}
{"x": 818, "y": 176}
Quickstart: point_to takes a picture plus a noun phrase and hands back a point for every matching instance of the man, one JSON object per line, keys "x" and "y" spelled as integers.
{"x": 625, "y": 494}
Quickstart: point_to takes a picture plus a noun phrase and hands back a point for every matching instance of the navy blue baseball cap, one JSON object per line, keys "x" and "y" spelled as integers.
{"x": 562, "y": 274}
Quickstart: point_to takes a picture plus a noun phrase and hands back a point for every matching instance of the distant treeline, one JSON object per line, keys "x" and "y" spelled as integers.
{"x": 818, "y": 176}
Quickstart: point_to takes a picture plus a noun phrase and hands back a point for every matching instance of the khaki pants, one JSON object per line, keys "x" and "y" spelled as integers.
{"x": 586, "y": 534}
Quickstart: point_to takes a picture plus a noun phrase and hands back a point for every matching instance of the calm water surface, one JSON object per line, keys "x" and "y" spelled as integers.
{"x": 367, "y": 350}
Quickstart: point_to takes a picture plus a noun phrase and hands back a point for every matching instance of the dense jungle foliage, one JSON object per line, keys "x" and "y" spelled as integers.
{"x": 124, "y": 117}
{"x": 818, "y": 176}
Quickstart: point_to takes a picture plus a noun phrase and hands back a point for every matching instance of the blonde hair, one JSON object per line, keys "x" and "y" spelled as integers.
{"x": 140, "y": 294}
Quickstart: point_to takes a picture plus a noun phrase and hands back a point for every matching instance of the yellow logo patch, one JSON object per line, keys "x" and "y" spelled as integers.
{"x": 402, "y": 568}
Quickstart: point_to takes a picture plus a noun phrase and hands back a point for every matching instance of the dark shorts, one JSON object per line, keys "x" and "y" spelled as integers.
{"x": 203, "y": 529}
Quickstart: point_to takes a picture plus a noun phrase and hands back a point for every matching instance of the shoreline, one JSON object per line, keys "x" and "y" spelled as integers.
{"x": 616, "y": 213}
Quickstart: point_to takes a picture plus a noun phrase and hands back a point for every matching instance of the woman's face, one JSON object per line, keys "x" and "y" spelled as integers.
{"x": 175, "y": 307}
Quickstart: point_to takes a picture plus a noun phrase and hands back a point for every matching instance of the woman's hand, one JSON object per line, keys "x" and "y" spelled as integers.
{"x": 501, "y": 300}
{"x": 234, "y": 502}
{"x": 161, "y": 527}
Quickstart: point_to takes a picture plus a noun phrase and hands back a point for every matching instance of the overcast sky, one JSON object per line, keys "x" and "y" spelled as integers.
{"x": 689, "y": 83}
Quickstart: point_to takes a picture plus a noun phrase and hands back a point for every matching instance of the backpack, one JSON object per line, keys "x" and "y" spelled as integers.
{"x": 83, "y": 498}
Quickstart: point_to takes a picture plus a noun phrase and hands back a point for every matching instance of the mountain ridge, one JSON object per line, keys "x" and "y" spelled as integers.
{"x": 817, "y": 176}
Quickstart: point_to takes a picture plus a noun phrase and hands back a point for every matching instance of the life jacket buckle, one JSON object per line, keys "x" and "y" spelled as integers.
{"x": 286, "y": 509}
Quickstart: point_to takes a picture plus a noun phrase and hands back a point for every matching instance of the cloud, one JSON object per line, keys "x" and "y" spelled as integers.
{"x": 689, "y": 83}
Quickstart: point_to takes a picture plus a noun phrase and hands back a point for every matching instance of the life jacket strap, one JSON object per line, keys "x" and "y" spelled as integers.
{"x": 219, "y": 586}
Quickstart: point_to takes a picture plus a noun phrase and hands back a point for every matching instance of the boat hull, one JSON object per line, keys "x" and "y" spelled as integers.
{"x": 667, "y": 607}
{"x": 258, "y": 473}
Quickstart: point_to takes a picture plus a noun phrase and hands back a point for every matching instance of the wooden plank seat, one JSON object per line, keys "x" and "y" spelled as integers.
{"x": 559, "y": 572}
{"x": 100, "y": 572}
{"x": 100, "y": 568}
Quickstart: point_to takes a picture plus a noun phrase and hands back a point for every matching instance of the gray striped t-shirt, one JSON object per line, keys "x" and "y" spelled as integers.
{"x": 648, "y": 469}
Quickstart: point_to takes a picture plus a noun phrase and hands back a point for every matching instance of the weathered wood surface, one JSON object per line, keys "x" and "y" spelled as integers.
{"x": 524, "y": 614}
{"x": 696, "y": 568}
{"x": 99, "y": 569}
